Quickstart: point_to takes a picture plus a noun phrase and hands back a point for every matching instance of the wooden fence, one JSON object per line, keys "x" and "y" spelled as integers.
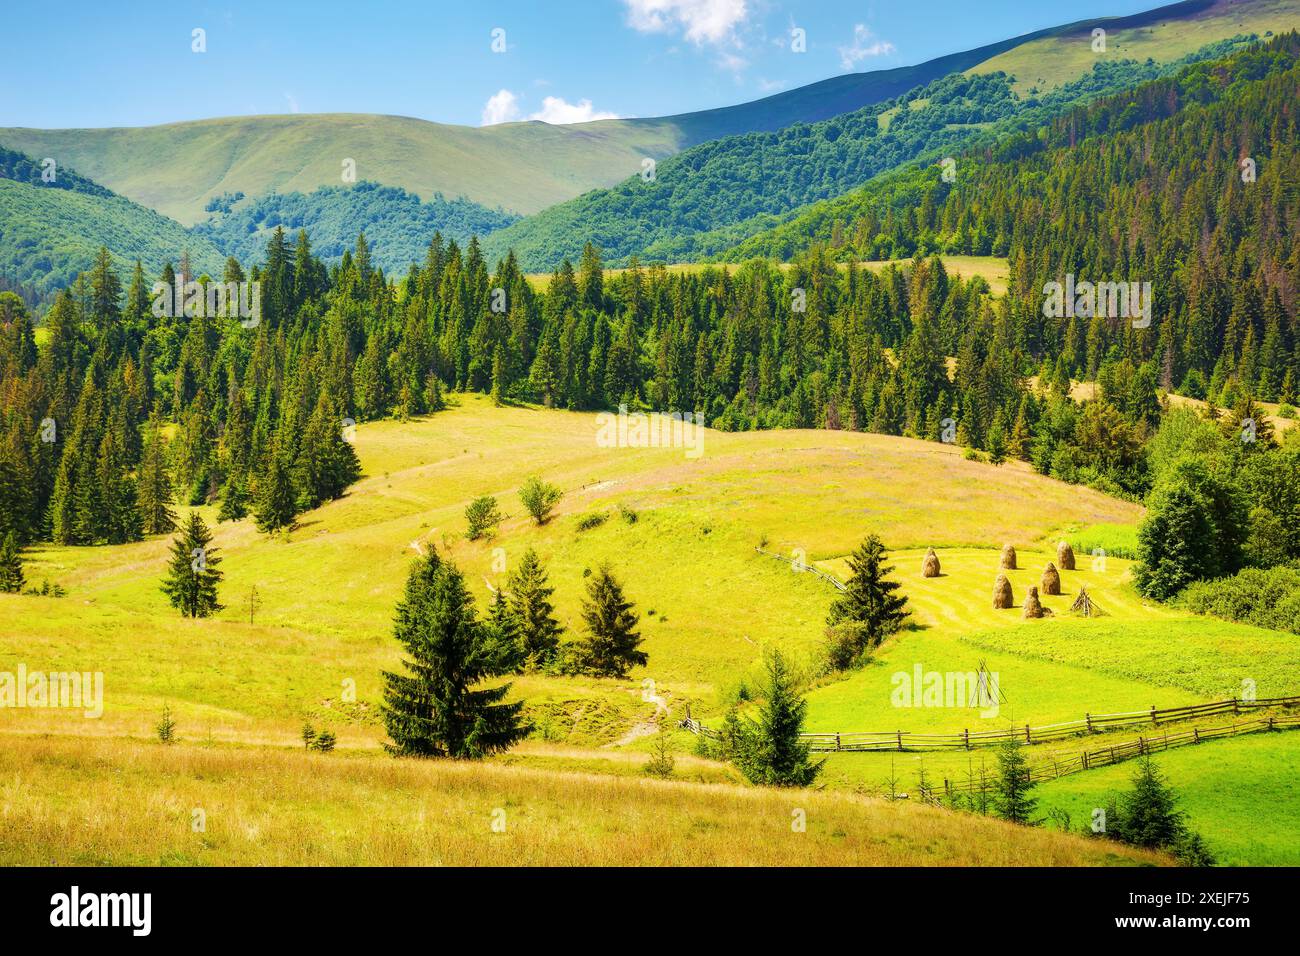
{"x": 801, "y": 567}
{"x": 1052, "y": 766}
{"x": 898, "y": 740}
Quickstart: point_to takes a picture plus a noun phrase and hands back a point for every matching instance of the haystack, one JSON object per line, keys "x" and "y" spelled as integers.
{"x": 1034, "y": 607}
{"x": 1002, "y": 593}
{"x": 1051, "y": 580}
{"x": 1008, "y": 558}
{"x": 1065, "y": 556}
{"x": 930, "y": 566}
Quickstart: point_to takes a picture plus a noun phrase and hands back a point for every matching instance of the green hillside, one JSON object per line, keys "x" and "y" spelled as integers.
{"x": 48, "y": 235}
{"x": 707, "y": 198}
{"x": 397, "y": 224}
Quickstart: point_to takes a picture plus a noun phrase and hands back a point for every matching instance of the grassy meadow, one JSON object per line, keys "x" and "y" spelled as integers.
{"x": 681, "y": 534}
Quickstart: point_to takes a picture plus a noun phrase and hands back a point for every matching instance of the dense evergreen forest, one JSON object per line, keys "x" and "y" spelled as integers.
{"x": 1187, "y": 182}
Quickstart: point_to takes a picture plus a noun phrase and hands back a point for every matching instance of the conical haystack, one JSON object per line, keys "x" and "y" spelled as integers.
{"x": 930, "y": 566}
{"x": 1034, "y": 607}
{"x": 1051, "y": 580}
{"x": 1008, "y": 558}
{"x": 1065, "y": 556}
{"x": 1002, "y": 593}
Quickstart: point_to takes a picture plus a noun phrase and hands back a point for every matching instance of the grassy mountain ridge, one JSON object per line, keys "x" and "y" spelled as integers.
{"x": 523, "y": 167}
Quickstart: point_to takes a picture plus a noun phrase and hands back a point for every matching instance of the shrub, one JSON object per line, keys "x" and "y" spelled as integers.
{"x": 539, "y": 498}
{"x": 1265, "y": 598}
{"x": 847, "y": 645}
{"x": 483, "y": 517}
{"x": 593, "y": 520}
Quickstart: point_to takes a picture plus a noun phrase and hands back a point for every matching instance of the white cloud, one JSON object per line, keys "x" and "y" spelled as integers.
{"x": 501, "y": 107}
{"x": 504, "y": 107}
{"x": 864, "y": 46}
{"x": 557, "y": 112}
{"x": 701, "y": 21}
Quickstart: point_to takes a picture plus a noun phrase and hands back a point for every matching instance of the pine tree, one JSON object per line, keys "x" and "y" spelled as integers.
{"x": 531, "y": 607}
{"x": 433, "y": 710}
{"x": 869, "y": 598}
{"x": 1011, "y": 799}
{"x": 234, "y": 500}
{"x": 276, "y": 505}
{"x": 155, "y": 487}
{"x": 770, "y": 750}
{"x": 11, "y": 565}
{"x": 610, "y": 647}
{"x": 1147, "y": 815}
{"x": 503, "y": 629}
{"x": 191, "y": 584}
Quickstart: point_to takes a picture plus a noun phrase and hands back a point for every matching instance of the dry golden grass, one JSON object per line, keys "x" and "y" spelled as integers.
{"x": 77, "y": 801}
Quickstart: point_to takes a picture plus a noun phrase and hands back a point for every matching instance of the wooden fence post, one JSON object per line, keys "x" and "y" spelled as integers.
{"x": 837, "y": 743}
{"x": 900, "y": 741}
{"x": 966, "y": 733}
{"x": 1196, "y": 735}
{"x": 1087, "y": 719}
{"x": 1028, "y": 739}
{"x": 1153, "y": 713}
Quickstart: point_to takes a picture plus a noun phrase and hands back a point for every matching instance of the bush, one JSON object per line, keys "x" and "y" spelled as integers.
{"x": 1286, "y": 411}
{"x": 483, "y": 517}
{"x": 1265, "y": 598}
{"x": 539, "y": 498}
{"x": 628, "y": 515}
{"x": 593, "y": 520}
{"x": 847, "y": 645}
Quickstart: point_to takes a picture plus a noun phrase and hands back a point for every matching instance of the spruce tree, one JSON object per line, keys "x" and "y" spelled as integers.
{"x": 770, "y": 750}
{"x": 1011, "y": 799}
{"x": 503, "y": 635}
{"x": 234, "y": 500}
{"x": 276, "y": 505}
{"x": 534, "y": 614}
{"x": 1147, "y": 815}
{"x": 434, "y": 710}
{"x": 191, "y": 582}
{"x": 869, "y": 598}
{"x": 154, "y": 487}
{"x": 612, "y": 642}
{"x": 11, "y": 565}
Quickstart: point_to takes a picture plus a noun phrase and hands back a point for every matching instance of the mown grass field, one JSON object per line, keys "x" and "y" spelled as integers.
{"x": 710, "y": 605}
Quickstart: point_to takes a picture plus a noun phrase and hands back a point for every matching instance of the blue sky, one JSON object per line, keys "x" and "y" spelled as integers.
{"x": 86, "y": 64}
